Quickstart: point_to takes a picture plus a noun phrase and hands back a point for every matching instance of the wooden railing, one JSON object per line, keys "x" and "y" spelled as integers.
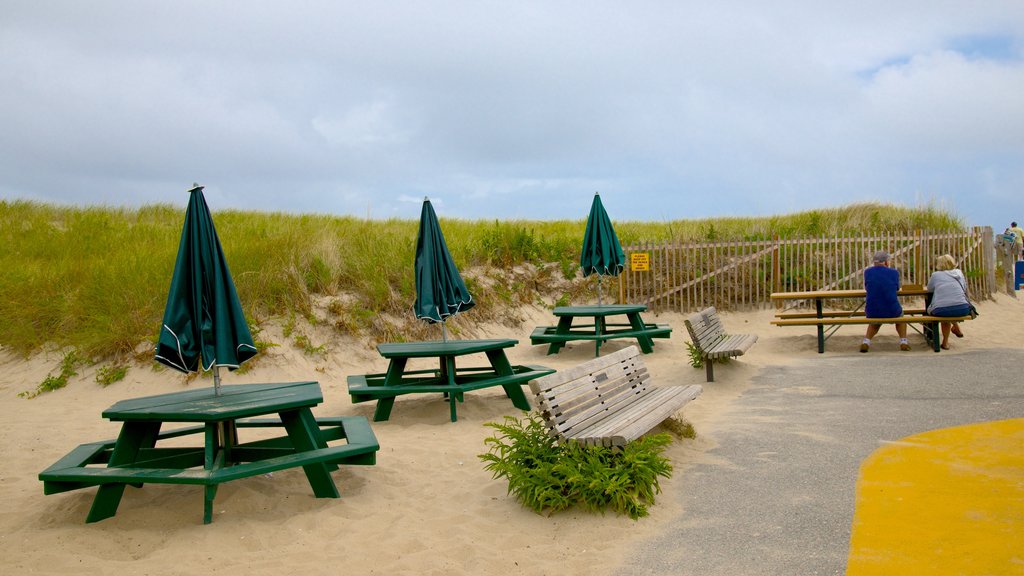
{"x": 735, "y": 275}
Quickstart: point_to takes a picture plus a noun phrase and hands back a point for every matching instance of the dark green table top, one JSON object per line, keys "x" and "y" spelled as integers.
{"x": 201, "y": 405}
{"x": 595, "y": 310}
{"x": 439, "y": 348}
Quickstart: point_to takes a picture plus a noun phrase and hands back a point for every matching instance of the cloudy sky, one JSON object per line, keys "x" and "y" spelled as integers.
{"x": 517, "y": 109}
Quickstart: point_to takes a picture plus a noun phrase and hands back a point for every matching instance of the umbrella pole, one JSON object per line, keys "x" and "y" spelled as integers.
{"x": 216, "y": 380}
{"x": 598, "y": 289}
{"x": 444, "y": 331}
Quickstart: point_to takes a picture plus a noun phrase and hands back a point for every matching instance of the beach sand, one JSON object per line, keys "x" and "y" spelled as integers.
{"x": 426, "y": 507}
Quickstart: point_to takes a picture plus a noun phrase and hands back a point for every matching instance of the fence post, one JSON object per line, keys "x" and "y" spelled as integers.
{"x": 918, "y": 263}
{"x": 776, "y": 269}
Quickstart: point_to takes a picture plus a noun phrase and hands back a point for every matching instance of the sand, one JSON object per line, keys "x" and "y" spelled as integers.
{"x": 427, "y": 507}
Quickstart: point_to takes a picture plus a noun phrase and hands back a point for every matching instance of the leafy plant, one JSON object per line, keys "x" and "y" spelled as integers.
{"x": 547, "y": 477}
{"x": 68, "y": 366}
{"x": 107, "y": 375}
{"x": 697, "y": 361}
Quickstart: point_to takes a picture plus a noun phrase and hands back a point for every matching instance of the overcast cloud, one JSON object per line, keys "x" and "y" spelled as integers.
{"x": 517, "y": 109}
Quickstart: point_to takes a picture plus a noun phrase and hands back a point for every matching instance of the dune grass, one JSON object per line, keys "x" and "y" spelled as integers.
{"x": 95, "y": 279}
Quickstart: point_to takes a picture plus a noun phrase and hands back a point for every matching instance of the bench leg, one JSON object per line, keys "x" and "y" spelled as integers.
{"x": 502, "y": 367}
{"x": 132, "y": 437}
{"x": 564, "y": 325}
{"x": 936, "y": 335}
{"x": 209, "y": 493}
{"x": 383, "y": 410}
{"x": 452, "y": 401}
{"x": 646, "y": 342}
{"x": 709, "y": 368}
{"x": 821, "y": 327}
{"x": 105, "y": 504}
{"x": 303, "y": 430}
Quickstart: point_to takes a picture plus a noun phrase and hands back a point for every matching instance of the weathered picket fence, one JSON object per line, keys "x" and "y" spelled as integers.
{"x": 687, "y": 276}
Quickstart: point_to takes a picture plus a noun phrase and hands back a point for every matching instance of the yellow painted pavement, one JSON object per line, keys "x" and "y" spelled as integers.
{"x": 948, "y": 501}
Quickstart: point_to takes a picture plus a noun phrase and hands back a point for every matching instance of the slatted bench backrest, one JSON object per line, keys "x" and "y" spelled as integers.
{"x": 581, "y": 396}
{"x": 705, "y": 328}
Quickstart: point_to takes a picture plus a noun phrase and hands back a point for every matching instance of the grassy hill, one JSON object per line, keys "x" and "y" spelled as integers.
{"x": 95, "y": 279}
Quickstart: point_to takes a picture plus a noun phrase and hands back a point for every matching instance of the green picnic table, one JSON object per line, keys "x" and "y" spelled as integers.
{"x": 600, "y": 330}
{"x": 446, "y": 378}
{"x": 134, "y": 457}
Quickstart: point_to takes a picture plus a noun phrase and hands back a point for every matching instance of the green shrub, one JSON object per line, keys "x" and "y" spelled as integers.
{"x": 547, "y": 477}
{"x": 68, "y": 368}
{"x": 107, "y": 375}
{"x": 697, "y": 361}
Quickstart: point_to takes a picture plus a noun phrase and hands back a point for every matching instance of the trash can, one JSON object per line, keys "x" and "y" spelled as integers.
{"x": 1018, "y": 275}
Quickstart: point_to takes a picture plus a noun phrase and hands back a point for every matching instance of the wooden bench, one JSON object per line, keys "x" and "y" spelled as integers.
{"x": 711, "y": 341}
{"x": 840, "y": 314}
{"x": 930, "y": 325}
{"x": 607, "y": 401}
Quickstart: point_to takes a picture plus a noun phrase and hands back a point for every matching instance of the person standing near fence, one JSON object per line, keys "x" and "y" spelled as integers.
{"x": 882, "y": 285}
{"x": 1018, "y": 240}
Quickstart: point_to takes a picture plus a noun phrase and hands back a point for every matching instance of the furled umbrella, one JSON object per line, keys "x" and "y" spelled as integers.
{"x": 602, "y": 253}
{"x": 440, "y": 291}
{"x": 204, "y": 326}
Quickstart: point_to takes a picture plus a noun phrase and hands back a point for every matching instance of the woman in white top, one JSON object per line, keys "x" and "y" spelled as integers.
{"x": 948, "y": 289}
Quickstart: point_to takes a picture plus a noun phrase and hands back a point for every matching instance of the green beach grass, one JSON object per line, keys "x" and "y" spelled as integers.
{"x": 95, "y": 279}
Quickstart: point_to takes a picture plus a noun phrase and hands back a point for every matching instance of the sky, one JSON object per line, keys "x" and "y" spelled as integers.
{"x": 517, "y": 109}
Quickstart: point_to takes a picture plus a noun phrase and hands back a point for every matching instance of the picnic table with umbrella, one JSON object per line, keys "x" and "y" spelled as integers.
{"x": 440, "y": 295}
{"x": 204, "y": 328}
{"x": 601, "y": 255}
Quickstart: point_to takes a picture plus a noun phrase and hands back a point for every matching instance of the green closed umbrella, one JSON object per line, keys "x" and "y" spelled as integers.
{"x": 440, "y": 291}
{"x": 602, "y": 253}
{"x": 204, "y": 326}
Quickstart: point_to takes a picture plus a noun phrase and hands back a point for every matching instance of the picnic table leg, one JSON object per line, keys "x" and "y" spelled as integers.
{"x": 637, "y": 323}
{"x": 209, "y": 493}
{"x": 564, "y": 325}
{"x": 502, "y": 367}
{"x": 304, "y": 432}
{"x": 821, "y": 327}
{"x": 393, "y": 377}
{"x": 383, "y": 410}
{"x": 126, "y": 450}
{"x": 396, "y": 368}
{"x": 936, "y": 335}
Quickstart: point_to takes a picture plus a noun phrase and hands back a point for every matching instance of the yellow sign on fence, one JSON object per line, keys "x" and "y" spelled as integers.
{"x": 639, "y": 262}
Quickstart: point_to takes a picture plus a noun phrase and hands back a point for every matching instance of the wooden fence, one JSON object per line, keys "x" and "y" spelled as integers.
{"x": 736, "y": 275}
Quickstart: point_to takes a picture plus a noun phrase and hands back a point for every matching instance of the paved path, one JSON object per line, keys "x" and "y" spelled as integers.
{"x": 778, "y": 496}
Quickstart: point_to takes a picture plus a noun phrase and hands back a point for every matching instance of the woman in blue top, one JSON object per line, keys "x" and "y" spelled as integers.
{"x": 882, "y": 283}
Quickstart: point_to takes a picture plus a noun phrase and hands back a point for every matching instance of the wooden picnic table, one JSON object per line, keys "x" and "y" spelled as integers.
{"x": 446, "y": 378}
{"x": 600, "y": 330}
{"x": 134, "y": 458}
{"x": 821, "y": 317}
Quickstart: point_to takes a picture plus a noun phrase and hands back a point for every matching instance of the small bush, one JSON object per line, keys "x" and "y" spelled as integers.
{"x": 68, "y": 368}
{"x": 547, "y": 477}
{"x": 697, "y": 361}
{"x": 107, "y": 375}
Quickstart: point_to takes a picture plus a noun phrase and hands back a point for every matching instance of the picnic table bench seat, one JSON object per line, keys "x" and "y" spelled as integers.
{"x": 930, "y": 324}
{"x": 840, "y": 314}
{"x": 711, "y": 341}
{"x": 607, "y": 401}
